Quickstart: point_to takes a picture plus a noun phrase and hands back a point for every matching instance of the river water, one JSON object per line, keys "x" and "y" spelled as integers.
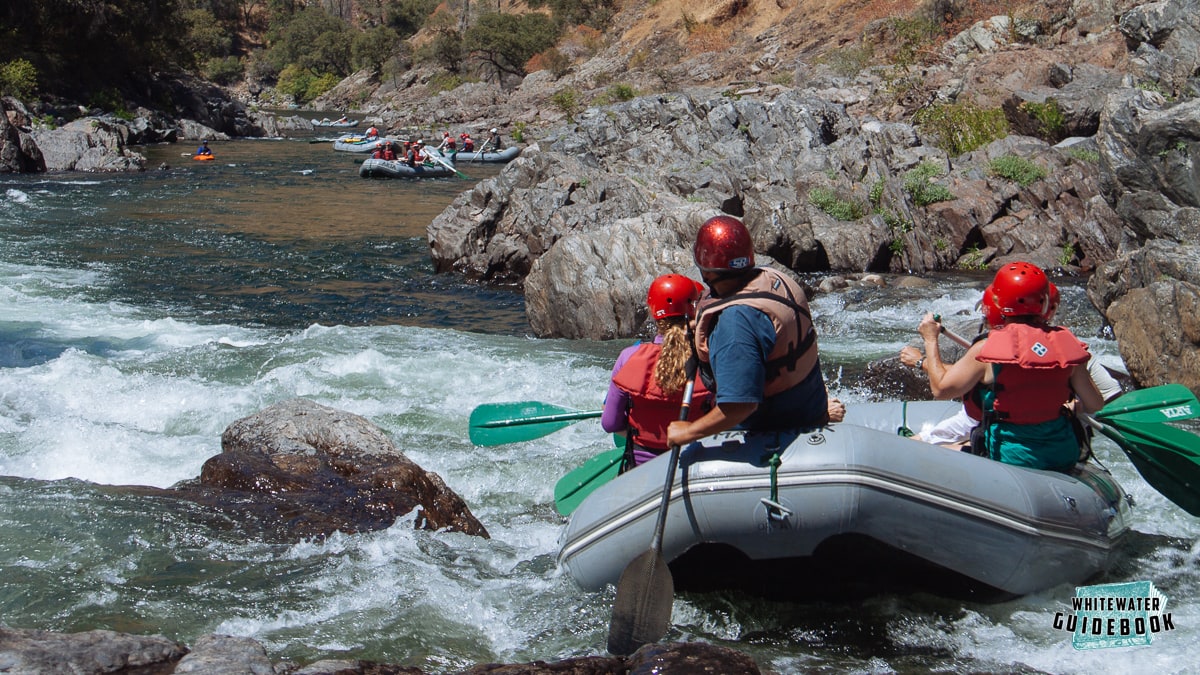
{"x": 142, "y": 314}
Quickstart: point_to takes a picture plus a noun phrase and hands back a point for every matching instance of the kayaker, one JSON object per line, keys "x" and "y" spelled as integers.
{"x": 1029, "y": 370}
{"x": 648, "y": 379}
{"x": 756, "y": 342}
{"x": 204, "y": 149}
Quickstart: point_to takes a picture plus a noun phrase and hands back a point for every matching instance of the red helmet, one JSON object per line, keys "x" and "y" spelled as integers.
{"x": 991, "y": 311}
{"x": 1052, "y": 303}
{"x": 1021, "y": 289}
{"x": 723, "y": 244}
{"x": 672, "y": 295}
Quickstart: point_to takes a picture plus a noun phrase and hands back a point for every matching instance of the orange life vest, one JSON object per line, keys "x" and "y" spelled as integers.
{"x": 650, "y": 408}
{"x": 795, "y": 352}
{"x": 1032, "y": 381}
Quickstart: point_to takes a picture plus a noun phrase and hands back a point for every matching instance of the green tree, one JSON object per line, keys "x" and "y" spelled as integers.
{"x": 406, "y": 17}
{"x": 508, "y": 41}
{"x": 312, "y": 40}
{"x": 206, "y": 38}
{"x": 370, "y": 49}
{"x": 594, "y": 13}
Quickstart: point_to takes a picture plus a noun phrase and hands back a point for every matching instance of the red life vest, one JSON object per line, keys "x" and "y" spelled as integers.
{"x": 1034, "y": 373}
{"x": 650, "y": 408}
{"x": 774, "y": 294}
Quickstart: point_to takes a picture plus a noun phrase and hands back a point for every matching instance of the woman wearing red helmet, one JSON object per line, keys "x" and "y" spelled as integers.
{"x": 1029, "y": 370}
{"x": 648, "y": 379}
{"x": 755, "y": 341}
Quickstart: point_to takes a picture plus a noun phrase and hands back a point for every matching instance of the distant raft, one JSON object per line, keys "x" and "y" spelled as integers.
{"x": 392, "y": 168}
{"x": 334, "y": 123}
{"x": 488, "y": 156}
{"x": 361, "y": 143}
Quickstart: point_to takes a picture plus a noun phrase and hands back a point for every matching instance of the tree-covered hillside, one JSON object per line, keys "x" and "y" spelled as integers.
{"x": 108, "y": 53}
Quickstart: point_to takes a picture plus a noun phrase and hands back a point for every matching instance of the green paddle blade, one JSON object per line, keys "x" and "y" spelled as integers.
{"x": 574, "y": 487}
{"x": 642, "y": 610}
{"x": 1166, "y": 403}
{"x": 1166, "y": 456}
{"x": 500, "y": 423}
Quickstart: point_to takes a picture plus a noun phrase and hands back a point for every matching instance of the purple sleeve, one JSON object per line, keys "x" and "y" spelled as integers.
{"x": 617, "y": 401}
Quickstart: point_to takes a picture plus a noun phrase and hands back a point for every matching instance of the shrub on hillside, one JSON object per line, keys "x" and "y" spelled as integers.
{"x": 552, "y": 60}
{"x": 961, "y": 127}
{"x": 18, "y": 78}
{"x": 1017, "y": 169}
{"x": 223, "y": 69}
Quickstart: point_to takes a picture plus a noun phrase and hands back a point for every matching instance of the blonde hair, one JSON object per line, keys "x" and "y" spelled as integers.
{"x": 676, "y": 350}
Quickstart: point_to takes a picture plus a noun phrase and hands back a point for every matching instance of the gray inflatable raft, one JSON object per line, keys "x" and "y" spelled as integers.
{"x": 852, "y": 504}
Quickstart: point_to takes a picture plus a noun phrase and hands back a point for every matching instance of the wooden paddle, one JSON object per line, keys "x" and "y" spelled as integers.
{"x": 642, "y": 610}
{"x": 500, "y": 423}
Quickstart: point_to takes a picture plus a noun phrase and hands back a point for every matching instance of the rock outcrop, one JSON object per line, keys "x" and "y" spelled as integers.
{"x": 30, "y": 652}
{"x": 826, "y": 176}
{"x": 310, "y": 470}
{"x": 299, "y": 470}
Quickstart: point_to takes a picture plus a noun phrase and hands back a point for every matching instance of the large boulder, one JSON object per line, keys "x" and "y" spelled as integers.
{"x": 587, "y": 218}
{"x": 88, "y": 144}
{"x": 94, "y": 651}
{"x": 18, "y": 151}
{"x": 1150, "y": 296}
{"x": 302, "y": 470}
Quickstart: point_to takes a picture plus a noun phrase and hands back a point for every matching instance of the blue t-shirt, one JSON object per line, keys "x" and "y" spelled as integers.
{"x": 738, "y": 347}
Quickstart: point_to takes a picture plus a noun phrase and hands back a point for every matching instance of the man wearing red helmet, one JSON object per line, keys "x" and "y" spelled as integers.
{"x": 1029, "y": 369}
{"x": 755, "y": 341}
{"x": 648, "y": 379}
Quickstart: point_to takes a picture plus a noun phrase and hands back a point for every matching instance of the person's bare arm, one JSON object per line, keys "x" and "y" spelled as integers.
{"x": 957, "y": 379}
{"x": 1090, "y": 398}
{"x": 722, "y": 417}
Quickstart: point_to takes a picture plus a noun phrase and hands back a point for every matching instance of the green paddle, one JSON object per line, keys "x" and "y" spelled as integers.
{"x": 574, "y": 487}
{"x": 1168, "y": 458}
{"x": 500, "y": 423}
{"x": 1164, "y": 403}
{"x": 437, "y": 157}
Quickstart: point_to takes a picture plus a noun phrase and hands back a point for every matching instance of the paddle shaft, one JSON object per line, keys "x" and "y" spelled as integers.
{"x": 645, "y": 591}
{"x": 541, "y": 419}
{"x": 660, "y": 525}
{"x": 954, "y": 337}
{"x": 435, "y": 156}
